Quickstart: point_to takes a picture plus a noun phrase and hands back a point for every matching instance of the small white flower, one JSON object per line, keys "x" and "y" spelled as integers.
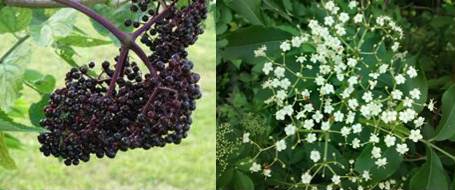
{"x": 315, "y": 156}
{"x": 308, "y": 124}
{"x": 281, "y": 94}
{"x": 357, "y": 128}
{"x": 336, "y": 179}
{"x": 355, "y": 143}
{"x": 317, "y": 116}
{"x": 267, "y": 68}
{"x": 311, "y": 137}
{"x": 308, "y": 108}
{"x": 419, "y": 121}
{"x": 367, "y": 96}
{"x": 290, "y": 130}
{"x": 376, "y": 152}
{"x": 338, "y": 116}
{"x": 411, "y": 72}
{"x": 352, "y": 62}
{"x": 325, "y": 126}
{"x": 358, "y": 18}
{"x": 353, "y": 4}
{"x": 366, "y": 175}
{"x": 350, "y": 118}
{"x": 285, "y": 83}
{"x": 399, "y": 79}
{"x": 415, "y": 135}
{"x": 374, "y": 138}
{"x": 407, "y": 115}
{"x": 319, "y": 80}
{"x": 408, "y": 102}
{"x": 279, "y": 72}
{"x": 255, "y": 167}
{"x": 389, "y": 116}
{"x": 327, "y": 89}
{"x": 340, "y": 30}
{"x": 381, "y": 162}
{"x": 395, "y": 46}
{"x": 383, "y": 68}
{"x": 246, "y": 138}
{"x": 345, "y": 131}
{"x": 297, "y": 41}
{"x": 402, "y": 148}
{"x": 389, "y": 140}
{"x": 260, "y": 51}
{"x": 430, "y": 105}
{"x": 305, "y": 93}
{"x": 280, "y": 145}
{"x": 344, "y": 17}
{"x": 353, "y": 103}
{"x": 267, "y": 172}
{"x": 396, "y": 94}
{"x": 306, "y": 178}
{"x": 301, "y": 59}
{"x": 285, "y": 46}
{"x": 415, "y": 93}
{"x": 329, "y": 21}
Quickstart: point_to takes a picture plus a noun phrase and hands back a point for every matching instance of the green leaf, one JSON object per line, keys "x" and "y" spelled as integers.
{"x": 12, "y": 142}
{"x": 36, "y": 111}
{"x": 243, "y": 42}
{"x": 446, "y": 127}
{"x": 242, "y": 181}
{"x": 5, "y": 159}
{"x": 17, "y": 127}
{"x": 225, "y": 178}
{"x": 66, "y": 53}
{"x": 250, "y": 10}
{"x": 11, "y": 73}
{"x": 76, "y": 40}
{"x": 431, "y": 175}
{"x": 14, "y": 19}
{"x": 42, "y": 84}
{"x": 365, "y": 162}
{"x": 59, "y": 25}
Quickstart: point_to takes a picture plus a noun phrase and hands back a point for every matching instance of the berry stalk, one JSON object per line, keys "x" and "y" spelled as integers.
{"x": 118, "y": 69}
{"x": 155, "y": 18}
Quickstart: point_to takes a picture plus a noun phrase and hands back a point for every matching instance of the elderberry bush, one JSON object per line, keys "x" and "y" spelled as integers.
{"x": 143, "y": 111}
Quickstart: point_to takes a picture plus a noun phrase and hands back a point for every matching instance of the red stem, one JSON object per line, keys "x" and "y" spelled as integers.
{"x": 118, "y": 69}
{"x": 122, "y": 36}
{"x": 153, "y": 95}
{"x": 152, "y": 21}
{"x": 141, "y": 54}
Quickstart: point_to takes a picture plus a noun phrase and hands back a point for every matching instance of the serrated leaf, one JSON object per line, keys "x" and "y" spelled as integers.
{"x": 243, "y": 42}
{"x": 242, "y": 181}
{"x": 250, "y": 10}
{"x": 446, "y": 127}
{"x": 43, "y": 84}
{"x": 14, "y": 19}
{"x": 5, "y": 159}
{"x": 12, "y": 142}
{"x": 11, "y": 72}
{"x": 76, "y": 40}
{"x": 17, "y": 127}
{"x": 36, "y": 112}
{"x": 431, "y": 175}
{"x": 59, "y": 25}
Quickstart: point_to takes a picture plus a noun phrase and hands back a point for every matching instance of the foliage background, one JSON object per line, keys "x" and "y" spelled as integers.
{"x": 243, "y": 26}
{"x": 189, "y": 165}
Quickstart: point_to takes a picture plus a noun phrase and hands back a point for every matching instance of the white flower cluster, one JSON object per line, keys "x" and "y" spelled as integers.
{"x": 346, "y": 101}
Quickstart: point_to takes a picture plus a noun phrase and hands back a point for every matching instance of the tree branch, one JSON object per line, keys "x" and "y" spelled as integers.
{"x": 118, "y": 69}
{"x": 153, "y": 20}
{"x": 54, "y": 4}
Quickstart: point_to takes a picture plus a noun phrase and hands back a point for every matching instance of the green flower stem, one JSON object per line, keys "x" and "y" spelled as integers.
{"x": 11, "y": 50}
{"x": 438, "y": 149}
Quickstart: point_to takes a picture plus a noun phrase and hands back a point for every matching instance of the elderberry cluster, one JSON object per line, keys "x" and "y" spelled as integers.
{"x": 142, "y": 111}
